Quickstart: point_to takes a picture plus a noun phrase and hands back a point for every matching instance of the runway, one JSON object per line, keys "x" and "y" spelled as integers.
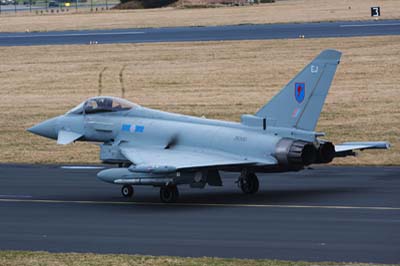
{"x": 321, "y": 214}
{"x": 215, "y": 33}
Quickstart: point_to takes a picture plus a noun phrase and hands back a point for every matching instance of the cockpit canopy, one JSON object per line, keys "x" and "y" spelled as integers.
{"x": 102, "y": 104}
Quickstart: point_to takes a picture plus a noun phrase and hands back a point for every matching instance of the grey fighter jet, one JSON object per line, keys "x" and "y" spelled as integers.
{"x": 164, "y": 149}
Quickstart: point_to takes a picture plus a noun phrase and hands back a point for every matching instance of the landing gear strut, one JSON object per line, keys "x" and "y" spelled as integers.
{"x": 127, "y": 191}
{"x": 248, "y": 183}
{"x": 169, "y": 193}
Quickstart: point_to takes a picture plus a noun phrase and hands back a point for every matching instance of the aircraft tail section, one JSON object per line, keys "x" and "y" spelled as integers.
{"x": 299, "y": 104}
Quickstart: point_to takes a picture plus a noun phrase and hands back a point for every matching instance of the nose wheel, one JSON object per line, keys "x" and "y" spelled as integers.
{"x": 127, "y": 191}
{"x": 169, "y": 194}
{"x": 249, "y": 183}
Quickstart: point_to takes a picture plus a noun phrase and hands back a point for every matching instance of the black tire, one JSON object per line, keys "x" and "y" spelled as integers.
{"x": 249, "y": 184}
{"x": 169, "y": 194}
{"x": 127, "y": 191}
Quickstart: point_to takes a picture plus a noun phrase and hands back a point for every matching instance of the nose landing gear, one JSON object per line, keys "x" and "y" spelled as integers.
{"x": 127, "y": 191}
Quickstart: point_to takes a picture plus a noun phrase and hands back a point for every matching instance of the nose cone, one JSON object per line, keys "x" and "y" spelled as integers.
{"x": 45, "y": 129}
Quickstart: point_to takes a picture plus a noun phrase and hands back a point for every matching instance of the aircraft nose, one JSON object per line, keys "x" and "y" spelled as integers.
{"x": 46, "y": 129}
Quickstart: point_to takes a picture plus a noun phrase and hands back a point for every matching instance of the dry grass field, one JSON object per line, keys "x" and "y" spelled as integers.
{"x": 216, "y": 79}
{"x": 18, "y": 258}
{"x": 281, "y": 11}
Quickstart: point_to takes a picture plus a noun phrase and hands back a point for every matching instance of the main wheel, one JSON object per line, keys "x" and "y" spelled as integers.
{"x": 169, "y": 194}
{"x": 127, "y": 191}
{"x": 249, "y": 184}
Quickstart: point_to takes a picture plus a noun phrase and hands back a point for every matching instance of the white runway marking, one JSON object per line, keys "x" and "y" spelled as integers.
{"x": 16, "y": 196}
{"x": 383, "y": 208}
{"x": 369, "y": 25}
{"x": 72, "y": 34}
{"x": 77, "y": 167}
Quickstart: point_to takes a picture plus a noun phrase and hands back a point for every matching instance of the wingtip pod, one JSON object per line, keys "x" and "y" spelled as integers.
{"x": 329, "y": 55}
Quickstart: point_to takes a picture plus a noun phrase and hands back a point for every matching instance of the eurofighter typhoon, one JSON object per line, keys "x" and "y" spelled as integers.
{"x": 164, "y": 149}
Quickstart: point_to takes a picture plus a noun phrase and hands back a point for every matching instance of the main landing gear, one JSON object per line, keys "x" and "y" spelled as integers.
{"x": 169, "y": 193}
{"x": 248, "y": 183}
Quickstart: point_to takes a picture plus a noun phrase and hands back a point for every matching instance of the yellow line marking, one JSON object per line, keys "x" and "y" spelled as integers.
{"x": 202, "y": 204}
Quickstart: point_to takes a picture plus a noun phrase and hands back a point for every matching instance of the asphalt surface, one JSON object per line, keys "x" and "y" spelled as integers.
{"x": 326, "y": 213}
{"x": 216, "y": 33}
{"x": 61, "y": 9}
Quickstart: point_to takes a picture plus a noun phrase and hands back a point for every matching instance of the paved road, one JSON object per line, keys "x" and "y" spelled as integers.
{"x": 61, "y": 9}
{"x": 329, "y": 213}
{"x": 219, "y": 33}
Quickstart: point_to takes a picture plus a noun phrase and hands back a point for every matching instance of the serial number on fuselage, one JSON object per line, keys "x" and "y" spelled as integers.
{"x": 240, "y": 138}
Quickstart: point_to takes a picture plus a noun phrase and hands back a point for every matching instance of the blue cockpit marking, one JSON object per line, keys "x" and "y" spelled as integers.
{"x": 139, "y": 129}
{"x": 132, "y": 128}
{"x": 126, "y": 127}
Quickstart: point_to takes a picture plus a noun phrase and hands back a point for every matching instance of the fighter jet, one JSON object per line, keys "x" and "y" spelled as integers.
{"x": 163, "y": 149}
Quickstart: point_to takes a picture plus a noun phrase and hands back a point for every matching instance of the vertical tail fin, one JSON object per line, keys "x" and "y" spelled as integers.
{"x": 299, "y": 104}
